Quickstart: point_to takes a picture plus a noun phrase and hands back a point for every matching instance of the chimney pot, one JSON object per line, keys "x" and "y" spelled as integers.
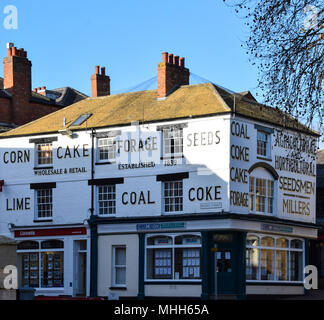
{"x": 171, "y": 58}
{"x": 182, "y": 62}
{"x": 97, "y": 69}
{"x": 103, "y": 71}
{"x": 176, "y": 60}
{"x": 9, "y": 52}
{"x": 165, "y": 57}
{"x": 14, "y": 51}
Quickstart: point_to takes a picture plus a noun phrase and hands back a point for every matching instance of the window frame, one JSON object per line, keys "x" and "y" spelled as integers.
{"x": 181, "y": 198}
{"x": 165, "y": 131}
{"x": 39, "y": 252}
{"x": 270, "y": 184}
{"x": 173, "y": 247}
{"x": 114, "y": 267}
{"x": 113, "y": 200}
{"x": 113, "y": 145}
{"x": 38, "y": 152}
{"x": 276, "y": 249}
{"x": 267, "y": 142}
{"x": 37, "y": 212}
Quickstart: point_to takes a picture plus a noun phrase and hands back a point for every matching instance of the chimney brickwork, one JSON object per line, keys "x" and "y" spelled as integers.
{"x": 171, "y": 73}
{"x": 100, "y": 83}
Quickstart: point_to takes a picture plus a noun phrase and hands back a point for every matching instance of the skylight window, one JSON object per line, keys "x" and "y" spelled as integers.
{"x": 81, "y": 119}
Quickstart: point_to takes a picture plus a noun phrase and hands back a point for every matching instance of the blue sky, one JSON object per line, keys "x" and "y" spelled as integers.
{"x": 66, "y": 39}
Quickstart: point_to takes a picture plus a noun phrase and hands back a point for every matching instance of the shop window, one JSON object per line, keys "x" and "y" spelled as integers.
{"x": 44, "y": 203}
{"x": 25, "y": 245}
{"x": 173, "y": 196}
{"x": 173, "y": 258}
{"x": 42, "y": 266}
{"x": 107, "y": 149}
{"x": 52, "y": 274}
{"x": 44, "y": 154}
{"x": 106, "y": 199}
{"x": 52, "y": 244}
{"x": 274, "y": 259}
{"x": 119, "y": 266}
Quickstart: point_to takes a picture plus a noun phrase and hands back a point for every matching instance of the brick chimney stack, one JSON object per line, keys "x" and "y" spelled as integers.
{"x": 17, "y": 77}
{"x": 100, "y": 83}
{"x": 171, "y": 73}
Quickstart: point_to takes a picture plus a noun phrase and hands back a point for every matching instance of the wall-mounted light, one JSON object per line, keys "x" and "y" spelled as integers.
{"x": 66, "y": 132}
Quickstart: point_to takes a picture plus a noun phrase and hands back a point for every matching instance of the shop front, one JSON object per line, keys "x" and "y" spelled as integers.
{"x": 204, "y": 257}
{"x": 53, "y": 260}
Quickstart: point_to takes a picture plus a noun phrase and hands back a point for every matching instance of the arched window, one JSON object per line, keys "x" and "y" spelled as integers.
{"x": 262, "y": 191}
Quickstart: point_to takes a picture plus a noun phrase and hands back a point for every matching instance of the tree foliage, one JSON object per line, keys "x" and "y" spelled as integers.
{"x": 286, "y": 41}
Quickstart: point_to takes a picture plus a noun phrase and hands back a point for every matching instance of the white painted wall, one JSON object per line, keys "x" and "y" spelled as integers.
{"x": 207, "y": 157}
{"x": 105, "y": 264}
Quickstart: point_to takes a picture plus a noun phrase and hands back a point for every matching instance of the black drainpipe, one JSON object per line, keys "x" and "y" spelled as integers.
{"x": 93, "y": 230}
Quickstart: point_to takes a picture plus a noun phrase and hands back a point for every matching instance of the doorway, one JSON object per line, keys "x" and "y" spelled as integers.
{"x": 225, "y": 264}
{"x": 80, "y": 268}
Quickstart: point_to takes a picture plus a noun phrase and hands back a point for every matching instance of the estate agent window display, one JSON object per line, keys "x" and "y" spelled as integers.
{"x": 173, "y": 257}
{"x": 41, "y": 263}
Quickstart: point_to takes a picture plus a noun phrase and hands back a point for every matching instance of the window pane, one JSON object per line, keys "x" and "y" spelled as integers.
{"x": 298, "y": 244}
{"x": 162, "y": 264}
{"x": 121, "y": 275}
{"x": 252, "y": 264}
{"x": 25, "y": 245}
{"x": 282, "y": 265}
{"x": 52, "y": 272}
{"x": 267, "y": 242}
{"x": 30, "y": 269}
{"x": 267, "y": 264}
{"x": 187, "y": 263}
{"x": 282, "y": 243}
{"x": 120, "y": 256}
{"x": 252, "y": 241}
{"x": 296, "y": 266}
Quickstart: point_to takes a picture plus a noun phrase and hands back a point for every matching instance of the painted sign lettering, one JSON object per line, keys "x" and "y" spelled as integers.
{"x": 205, "y": 193}
{"x": 239, "y": 130}
{"x": 16, "y": 156}
{"x": 72, "y": 152}
{"x": 203, "y": 139}
{"x": 137, "y": 199}
{"x": 17, "y": 204}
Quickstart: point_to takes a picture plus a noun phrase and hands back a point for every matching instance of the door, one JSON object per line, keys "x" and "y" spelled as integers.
{"x": 225, "y": 271}
{"x": 80, "y": 268}
{"x": 225, "y": 266}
